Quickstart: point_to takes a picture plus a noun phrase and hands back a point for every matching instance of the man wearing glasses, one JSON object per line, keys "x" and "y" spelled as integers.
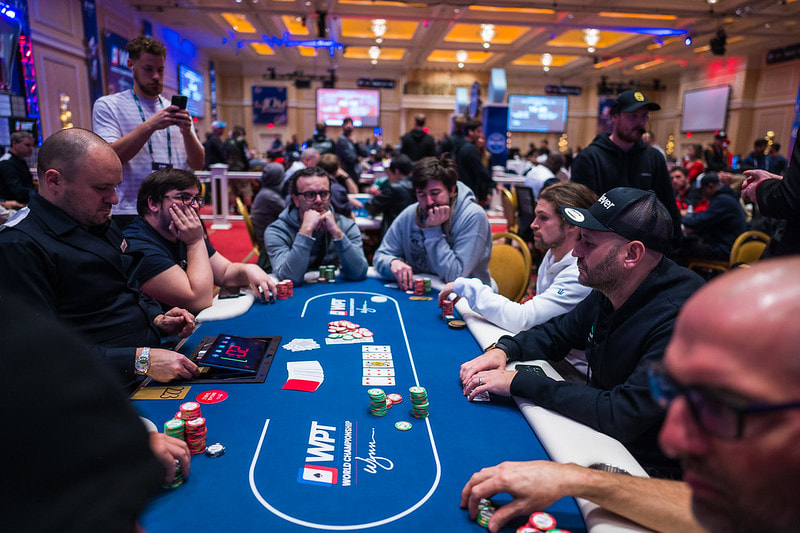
{"x": 178, "y": 265}
{"x": 731, "y": 387}
{"x": 623, "y": 325}
{"x": 308, "y": 233}
{"x": 64, "y": 257}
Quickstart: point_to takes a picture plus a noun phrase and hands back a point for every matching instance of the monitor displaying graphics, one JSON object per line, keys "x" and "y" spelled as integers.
{"x": 234, "y": 353}
{"x": 362, "y": 105}
{"x": 192, "y": 85}
{"x": 540, "y": 114}
{"x": 705, "y": 109}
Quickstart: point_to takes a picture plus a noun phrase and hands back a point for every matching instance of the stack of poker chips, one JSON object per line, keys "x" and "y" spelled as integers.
{"x": 540, "y": 522}
{"x": 285, "y": 289}
{"x": 177, "y": 480}
{"x": 485, "y": 511}
{"x": 377, "y": 402}
{"x": 196, "y": 435}
{"x": 327, "y": 273}
{"x": 174, "y": 428}
{"x": 447, "y": 310}
{"x": 422, "y": 285}
{"x": 419, "y": 402}
{"x": 346, "y": 330}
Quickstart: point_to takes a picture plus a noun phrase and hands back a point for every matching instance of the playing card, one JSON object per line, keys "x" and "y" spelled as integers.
{"x": 377, "y": 381}
{"x": 376, "y": 355}
{"x": 379, "y": 364}
{"x": 378, "y": 372}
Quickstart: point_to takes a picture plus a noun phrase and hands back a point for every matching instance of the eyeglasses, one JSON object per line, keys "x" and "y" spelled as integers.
{"x": 187, "y": 199}
{"x": 717, "y": 413}
{"x": 312, "y": 195}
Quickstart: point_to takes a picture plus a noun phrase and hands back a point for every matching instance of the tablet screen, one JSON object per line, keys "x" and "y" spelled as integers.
{"x": 234, "y": 353}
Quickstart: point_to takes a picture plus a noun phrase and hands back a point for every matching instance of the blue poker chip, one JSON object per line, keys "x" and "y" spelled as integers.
{"x": 215, "y": 450}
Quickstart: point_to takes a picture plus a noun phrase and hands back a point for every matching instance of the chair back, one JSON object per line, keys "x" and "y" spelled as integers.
{"x": 240, "y": 207}
{"x": 525, "y": 206}
{"x": 509, "y": 201}
{"x": 748, "y": 247}
{"x": 510, "y": 265}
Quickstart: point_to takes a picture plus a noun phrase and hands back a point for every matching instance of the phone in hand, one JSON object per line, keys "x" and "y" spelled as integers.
{"x": 179, "y": 100}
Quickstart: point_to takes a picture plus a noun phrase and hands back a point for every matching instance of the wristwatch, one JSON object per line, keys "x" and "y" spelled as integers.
{"x": 605, "y": 467}
{"x": 499, "y": 347}
{"x": 142, "y": 364}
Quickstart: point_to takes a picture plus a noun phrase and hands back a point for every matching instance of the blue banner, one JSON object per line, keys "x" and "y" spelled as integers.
{"x": 93, "y": 41}
{"x": 120, "y": 78}
{"x": 270, "y": 106}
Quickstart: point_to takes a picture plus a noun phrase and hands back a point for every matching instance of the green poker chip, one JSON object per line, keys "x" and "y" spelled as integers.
{"x": 402, "y": 425}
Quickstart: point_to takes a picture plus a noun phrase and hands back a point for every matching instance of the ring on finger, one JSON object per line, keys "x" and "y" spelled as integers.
{"x": 480, "y": 381}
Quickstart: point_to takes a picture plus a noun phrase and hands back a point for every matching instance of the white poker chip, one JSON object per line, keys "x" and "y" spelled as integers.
{"x": 379, "y": 299}
{"x": 215, "y": 450}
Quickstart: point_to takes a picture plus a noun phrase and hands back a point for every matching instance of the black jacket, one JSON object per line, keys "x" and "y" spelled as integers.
{"x": 619, "y": 345}
{"x": 417, "y": 144}
{"x": 781, "y": 199}
{"x": 16, "y": 180}
{"x": 391, "y": 201}
{"x": 472, "y": 172}
{"x": 80, "y": 277}
{"x": 719, "y": 224}
{"x": 603, "y": 165}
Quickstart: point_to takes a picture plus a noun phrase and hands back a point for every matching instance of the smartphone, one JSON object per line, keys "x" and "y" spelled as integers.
{"x": 179, "y": 100}
{"x": 229, "y": 292}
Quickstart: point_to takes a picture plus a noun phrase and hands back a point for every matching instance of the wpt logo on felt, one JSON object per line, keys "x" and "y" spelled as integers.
{"x": 318, "y": 475}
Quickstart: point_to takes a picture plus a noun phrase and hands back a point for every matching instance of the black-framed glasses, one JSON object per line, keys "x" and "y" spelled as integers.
{"x": 187, "y": 199}
{"x": 718, "y": 413}
{"x": 312, "y": 195}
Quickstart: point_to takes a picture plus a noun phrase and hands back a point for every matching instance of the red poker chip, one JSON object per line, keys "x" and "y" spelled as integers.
{"x": 542, "y": 521}
{"x": 395, "y": 398}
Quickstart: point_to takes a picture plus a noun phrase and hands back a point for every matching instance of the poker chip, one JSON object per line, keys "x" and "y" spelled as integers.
{"x": 402, "y": 425}
{"x": 419, "y": 402}
{"x": 457, "y": 324}
{"x": 484, "y": 503}
{"x": 396, "y": 398}
{"x": 377, "y": 402}
{"x": 447, "y": 310}
{"x": 410, "y": 291}
{"x": 215, "y": 450}
{"x": 190, "y": 411}
{"x": 484, "y": 515}
{"x": 542, "y": 521}
{"x": 177, "y": 480}
{"x": 175, "y": 428}
{"x": 421, "y": 298}
{"x": 527, "y": 529}
{"x": 196, "y": 435}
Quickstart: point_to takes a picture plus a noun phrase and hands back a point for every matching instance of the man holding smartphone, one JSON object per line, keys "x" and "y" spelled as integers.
{"x": 147, "y": 131}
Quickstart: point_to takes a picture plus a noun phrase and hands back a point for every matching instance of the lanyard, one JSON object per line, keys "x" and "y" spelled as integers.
{"x": 150, "y": 144}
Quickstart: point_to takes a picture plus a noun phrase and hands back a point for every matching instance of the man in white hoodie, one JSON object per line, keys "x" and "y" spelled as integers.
{"x": 557, "y": 287}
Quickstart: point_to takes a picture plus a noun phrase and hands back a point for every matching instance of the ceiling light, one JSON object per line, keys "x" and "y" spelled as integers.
{"x": 688, "y": 40}
{"x": 378, "y": 27}
{"x": 547, "y": 60}
{"x": 591, "y": 37}
{"x": 461, "y": 57}
{"x": 374, "y": 53}
{"x": 487, "y": 33}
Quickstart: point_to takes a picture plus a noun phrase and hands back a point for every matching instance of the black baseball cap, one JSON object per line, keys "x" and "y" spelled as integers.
{"x": 608, "y": 214}
{"x": 630, "y": 101}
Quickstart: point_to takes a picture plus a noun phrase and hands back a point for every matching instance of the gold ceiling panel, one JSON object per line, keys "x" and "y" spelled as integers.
{"x": 536, "y": 60}
{"x": 449, "y": 56}
{"x": 527, "y": 10}
{"x": 640, "y": 16}
{"x": 263, "y": 49}
{"x": 379, "y": 3}
{"x": 470, "y": 33}
{"x": 294, "y": 26}
{"x": 574, "y": 38}
{"x": 239, "y": 23}
{"x": 307, "y": 51}
{"x": 395, "y": 29}
{"x": 362, "y": 52}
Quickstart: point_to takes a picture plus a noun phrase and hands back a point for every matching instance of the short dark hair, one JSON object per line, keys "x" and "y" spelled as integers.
{"x": 682, "y": 170}
{"x": 65, "y": 148}
{"x": 147, "y": 45}
{"x": 321, "y": 127}
{"x": 761, "y": 142}
{"x": 568, "y": 194}
{"x": 419, "y": 119}
{"x": 346, "y": 120}
{"x": 19, "y": 136}
{"x": 472, "y": 124}
{"x": 777, "y": 146}
{"x": 310, "y": 172}
{"x": 430, "y": 169}
{"x": 159, "y": 183}
{"x": 402, "y": 163}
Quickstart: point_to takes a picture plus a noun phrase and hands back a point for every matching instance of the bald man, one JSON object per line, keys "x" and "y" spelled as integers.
{"x": 732, "y": 391}
{"x": 63, "y": 256}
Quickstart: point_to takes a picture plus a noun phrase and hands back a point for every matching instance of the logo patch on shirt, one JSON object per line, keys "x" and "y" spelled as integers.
{"x": 560, "y": 292}
{"x": 123, "y": 246}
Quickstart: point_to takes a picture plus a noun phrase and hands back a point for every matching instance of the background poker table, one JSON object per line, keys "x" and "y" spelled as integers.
{"x": 397, "y": 479}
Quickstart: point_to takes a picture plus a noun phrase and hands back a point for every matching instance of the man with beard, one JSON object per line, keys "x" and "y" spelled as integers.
{"x": 146, "y": 131}
{"x": 623, "y": 159}
{"x": 308, "y": 233}
{"x": 623, "y": 325}
{"x": 557, "y": 286}
{"x": 732, "y": 394}
{"x": 444, "y": 233}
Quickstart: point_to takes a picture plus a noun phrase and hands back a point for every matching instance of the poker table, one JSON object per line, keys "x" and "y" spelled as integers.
{"x": 320, "y": 460}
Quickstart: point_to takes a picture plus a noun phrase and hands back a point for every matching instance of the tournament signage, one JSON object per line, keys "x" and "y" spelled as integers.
{"x": 376, "y": 83}
{"x": 780, "y": 55}
{"x": 566, "y": 90}
{"x": 270, "y": 106}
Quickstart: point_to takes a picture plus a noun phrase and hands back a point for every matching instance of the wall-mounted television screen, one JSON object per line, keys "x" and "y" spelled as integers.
{"x": 362, "y": 105}
{"x": 705, "y": 109}
{"x": 192, "y": 85}
{"x": 541, "y": 114}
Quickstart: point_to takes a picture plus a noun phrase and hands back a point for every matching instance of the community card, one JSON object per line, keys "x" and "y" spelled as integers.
{"x": 378, "y": 372}
{"x": 376, "y": 348}
{"x": 386, "y": 363}
{"x": 377, "y": 381}
{"x": 376, "y": 355}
